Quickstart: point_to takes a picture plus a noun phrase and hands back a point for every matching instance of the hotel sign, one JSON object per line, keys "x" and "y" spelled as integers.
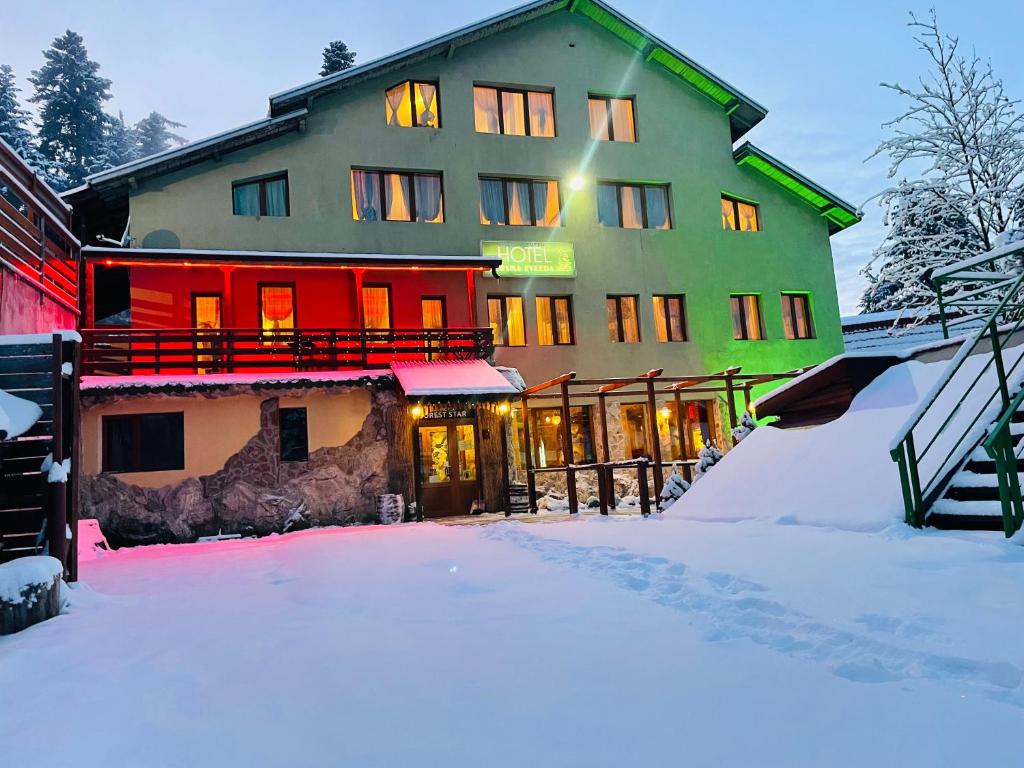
{"x": 531, "y": 259}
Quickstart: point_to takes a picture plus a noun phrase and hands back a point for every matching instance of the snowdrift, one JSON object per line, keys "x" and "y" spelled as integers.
{"x": 838, "y": 474}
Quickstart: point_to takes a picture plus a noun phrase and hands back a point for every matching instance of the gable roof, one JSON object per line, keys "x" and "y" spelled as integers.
{"x": 840, "y": 214}
{"x": 744, "y": 113}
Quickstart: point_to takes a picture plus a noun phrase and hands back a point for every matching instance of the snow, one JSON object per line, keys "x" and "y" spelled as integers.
{"x": 156, "y": 381}
{"x": 611, "y": 642}
{"x": 17, "y": 415}
{"x": 38, "y": 338}
{"x": 67, "y": 369}
{"x": 17, "y": 575}
{"x": 451, "y": 377}
{"x": 58, "y": 473}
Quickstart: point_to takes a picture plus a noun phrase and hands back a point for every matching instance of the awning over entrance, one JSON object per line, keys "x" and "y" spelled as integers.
{"x": 451, "y": 377}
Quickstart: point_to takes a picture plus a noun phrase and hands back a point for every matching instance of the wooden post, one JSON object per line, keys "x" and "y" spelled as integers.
{"x": 680, "y": 424}
{"x": 567, "y": 452}
{"x": 74, "y": 420}
{"x": 531, "y": 481}
{"x": 645, "y": 493}
{"x": 730, "y": 396}
{"x": 655, "y": 437}
{"x": 602, "y": 488}
{"x": 602, "y": 412}
{"x": 506, "y": 499}
{"x": 56, "y": 493}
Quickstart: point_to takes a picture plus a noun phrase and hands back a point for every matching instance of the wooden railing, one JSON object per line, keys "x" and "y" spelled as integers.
{"x": 124, "y": 351}
{"x": 35, "y": 239}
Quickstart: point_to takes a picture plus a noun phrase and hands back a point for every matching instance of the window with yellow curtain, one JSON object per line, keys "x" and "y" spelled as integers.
{"x": 206, "y": 316}
{"x": 633, "y": 418}
{"x": 505, "y": 314}
{"x": 277, "y": 308}
{"x": 554, "y": 320}
{"x": 612, "y": 118}
{"x": 746, "y": 317}
{"x": 376, "y": 307}
{"x": 740, "y": 215}
{"x": 513, "y": 111}
{"x": 623, "y": 323}
{"x": 796, "y": 316}
{"x": 412, "y": 104}
{"x": 434, "y": 316}
{"x": 670, "y": 317}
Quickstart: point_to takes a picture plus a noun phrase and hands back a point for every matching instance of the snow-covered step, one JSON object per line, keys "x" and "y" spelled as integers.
{"x": 952, "y": 507}
{"x": 968, "y": 479}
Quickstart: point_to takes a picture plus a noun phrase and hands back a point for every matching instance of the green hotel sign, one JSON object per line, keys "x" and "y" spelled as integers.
{"x": 531, "y": 259}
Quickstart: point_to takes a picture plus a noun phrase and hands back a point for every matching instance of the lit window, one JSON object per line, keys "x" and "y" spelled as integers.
{"x": 746, "y": 317}
{"x": 520, "y": 202}
{"x": 612, "y": 119}
{"x": 513, "y": 111}
{"x": 505, "y": 314}
{"x": 554, "y": 320}
{"x": 633, "y": 206}
{"x": 277, "y": 308}
{"x": 547, "y": 436}
{"x": 205, "y": 315}
{"x": 738, "y": 215}
{"x": 412, "y": 104}
{"x": 376, "y": 307}
{"x": 433, "y": 312}
{"x": 623, "y": 324}
{"x": 397, "y": 196}
{"x": 261, "y": 197}
{"x": 670, "y": 317}
{"x": 796, "y": 316}
{"x": 634, "y": 424}
{"x": 294, "y": 434}
{"x": 144, "y": 442}
{"x": 700, "y": 428}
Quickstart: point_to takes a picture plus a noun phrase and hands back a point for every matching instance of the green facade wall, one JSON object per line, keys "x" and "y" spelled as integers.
{"x": 683, "y": 140}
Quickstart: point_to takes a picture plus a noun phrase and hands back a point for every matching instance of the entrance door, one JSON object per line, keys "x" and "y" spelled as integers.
{"x": 447, "y": 473}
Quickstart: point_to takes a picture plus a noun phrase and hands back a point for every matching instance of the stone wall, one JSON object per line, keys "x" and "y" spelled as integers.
{"x": 255, "y": 492}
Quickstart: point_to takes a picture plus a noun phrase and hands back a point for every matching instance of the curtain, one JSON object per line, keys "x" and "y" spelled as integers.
{"x": 513, "y": 113}
{"x": 398, "y": 108}
{"x": 519, "y": 203}
{"x": 277, "y": 307}
{"x": 492, "y": 204}
{"x": 632, "y": 213}
{"x": 748, "y": 217}
{"x": 426, "y": 104}
{"x": 661, "y": 331}
{"x": 613, "y": 318}
{"x": 485, "y": 109}
{"x": 657, "y": 207}
{"x": 516, "y": 329}
{"x": 542, "y": 114}
{"x": 207, "y": 311}
{"x": 607, "y": 205}
{"x": 677, "y": 328}
{"x": 545, "y": 333}
{"x": 365, "y": 195}
{"x": 376, "y": 308}
{"x": 598, "y": 110}
{"x": 630, "y": 327}
{"x": 277, "y": 197}
{"x": 728, "y": 214}
{"x": 803, "y": 320}
{"x": 562, "y": 322}
{"x": 752, "y": 313}
{"x": 397, "y": 186}
{"x": 433, "y": 313}
{"x": 546, "y": 204}
{"x": 428, "y": 198}
{"x": 623, "y": 128}
{"x": 247, "y": 199}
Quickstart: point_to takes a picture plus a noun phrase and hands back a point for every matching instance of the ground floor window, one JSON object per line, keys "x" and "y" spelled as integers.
{"x": 546, "y": 429}
{"x": 634, "y": 426}
{"x": 699, "y": 428}
{"x": 144, "y": 442}
{"x": 294, "y": 434}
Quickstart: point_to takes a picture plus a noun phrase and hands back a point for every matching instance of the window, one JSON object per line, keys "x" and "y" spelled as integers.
{"x": 520, "y": 202}
{"x": 277, "y": 307}
{"x": 513, "y": 112}
{"x": 670, "y": 317}
{"x": 397, "y": 196}
{"x": 634, "y": 424}
{"x": 700, "y": 428}
{"x": 206, "y": 316}
{"x": 633, "y": 206}
{"x": 434, "y": 312}
{"x": 554, "y": 320}
{"x": 505, "y": 314}
{"x": 144, "y": 442}
{"x": 377, "y": 307}
{"x": 547, "y": 433}
{"x": 746, "y": 317}
{"x": 261, "y": 197}
{"x": 611, "y": 118}
{"x": 412, "y": 104}
{"x": 796, "y": 316}
{"x": 739, "y": 215}
{"x": 623, "y": 323}
{"x": 294, "y": 434}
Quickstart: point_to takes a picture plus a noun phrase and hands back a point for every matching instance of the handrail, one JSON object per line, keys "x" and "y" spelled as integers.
{"x": 999, "y": 447}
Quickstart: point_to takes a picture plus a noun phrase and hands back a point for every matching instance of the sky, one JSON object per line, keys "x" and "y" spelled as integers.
{"x": 817, "y": 67}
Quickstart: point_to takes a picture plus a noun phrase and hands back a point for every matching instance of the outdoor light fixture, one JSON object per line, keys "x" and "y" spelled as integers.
{"x": 576, "y": 183}
{"x": 556, "y": 420}
{"x": 416, "y": 411}
{"x": 665, "y": 412}
{"x": 503, "y": 408}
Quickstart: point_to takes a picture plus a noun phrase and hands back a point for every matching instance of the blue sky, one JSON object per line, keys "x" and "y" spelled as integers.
{"x": 816, "y": 66}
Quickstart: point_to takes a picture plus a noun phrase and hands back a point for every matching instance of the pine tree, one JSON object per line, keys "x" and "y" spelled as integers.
{"x": 14, "y": 128}
{"x": 337, "y": 57}
{"x": 744, "y": 428}
{"x": 120, "y": 144}
{"x": 70, "y": 93}
{"x": 154, "y": 135}
{"x": 966, "y": 137}
{"x": 708, "y": 456}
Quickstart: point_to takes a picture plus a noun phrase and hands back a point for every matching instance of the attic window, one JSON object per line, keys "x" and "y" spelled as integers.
{"x": 412, "y": 104}
{"x": 740, "y": 215}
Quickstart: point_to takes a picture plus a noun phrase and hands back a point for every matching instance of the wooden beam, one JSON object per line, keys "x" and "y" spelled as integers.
{"x": 549, "y": 383}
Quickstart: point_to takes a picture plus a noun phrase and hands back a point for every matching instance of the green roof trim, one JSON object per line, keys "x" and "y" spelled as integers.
{"x": 839, "y": 213}
{"x": 613, "y": 24}
{"x": 676, "y": 65}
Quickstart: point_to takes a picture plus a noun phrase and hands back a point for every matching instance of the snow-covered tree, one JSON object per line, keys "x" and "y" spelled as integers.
{"x": 963, "y": 138}
{"x": 673, "y": 489}
{"x": 153, "y": 134}
{"x": 13, "y": 118}
{"x": 337, "y": 57}
{"x": 708, "y": 456}
{"x": 70, "y": 94}
{"x": 744, "y": 428}
{"x": 119, "y": 145}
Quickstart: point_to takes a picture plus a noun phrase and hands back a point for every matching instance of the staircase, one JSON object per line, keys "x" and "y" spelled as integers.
{"x": 959, "y": 454}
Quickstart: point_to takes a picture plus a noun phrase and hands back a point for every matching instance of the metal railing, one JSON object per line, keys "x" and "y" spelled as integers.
{"x": 986, "y": 397}
{"x": 126, "y": 351}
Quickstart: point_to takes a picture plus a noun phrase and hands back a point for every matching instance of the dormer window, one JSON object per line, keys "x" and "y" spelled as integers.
{"x": 740, "y": 215}
{"x": 412, "y": 104}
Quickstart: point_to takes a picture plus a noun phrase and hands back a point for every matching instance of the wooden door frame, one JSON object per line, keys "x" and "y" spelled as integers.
{"x": 450, "y": 424}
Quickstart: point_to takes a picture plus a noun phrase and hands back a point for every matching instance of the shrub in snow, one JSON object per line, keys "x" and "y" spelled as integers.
{"x": 745, "y": 427}
{"x": 674, "y": 488}
{"x": 707, "y": 458}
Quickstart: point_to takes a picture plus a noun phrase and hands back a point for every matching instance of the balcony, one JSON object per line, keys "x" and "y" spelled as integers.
{"x": 135, "y": 351}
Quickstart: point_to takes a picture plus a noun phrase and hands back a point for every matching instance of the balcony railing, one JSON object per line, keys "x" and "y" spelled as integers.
{"x": 123, "y": 351}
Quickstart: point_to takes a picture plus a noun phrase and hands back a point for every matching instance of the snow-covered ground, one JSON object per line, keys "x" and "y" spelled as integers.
{"x": 598, "y": 642}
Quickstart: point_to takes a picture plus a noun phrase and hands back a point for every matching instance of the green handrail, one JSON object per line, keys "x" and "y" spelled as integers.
{"x": 999, "y": 447}
{"x": 917, "y": 496}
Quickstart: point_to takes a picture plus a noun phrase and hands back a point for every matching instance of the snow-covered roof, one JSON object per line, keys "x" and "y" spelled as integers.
{"x": 901, "y": 330}
{"x": 39, "y": 338}
{"x": 451, "y": 377}
{"x": 175, "y": 382}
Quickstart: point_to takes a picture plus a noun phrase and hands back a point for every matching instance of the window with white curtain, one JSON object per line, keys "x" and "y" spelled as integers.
{"x": 633, "y": 206}
{"x": 379, "y": 195}
{"x": 513, "y": 111}
{"x": 413, "y": 104}
{"x": 520, "y": 202}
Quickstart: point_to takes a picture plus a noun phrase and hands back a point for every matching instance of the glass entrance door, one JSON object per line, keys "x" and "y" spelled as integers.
{"x": 447, "y": 471}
